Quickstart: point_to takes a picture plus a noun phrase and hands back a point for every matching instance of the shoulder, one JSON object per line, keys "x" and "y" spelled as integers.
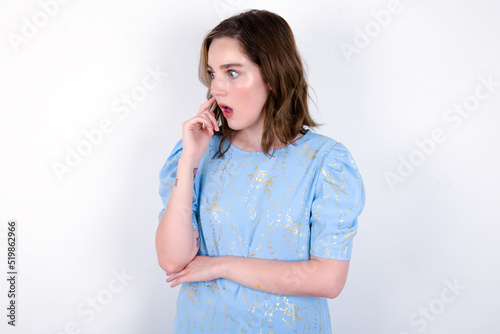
{"x": 334, "y": 156}
{"x": 319, "y": 141}
{"x": 328, "y": 149}
{"x": 339, "y": 171}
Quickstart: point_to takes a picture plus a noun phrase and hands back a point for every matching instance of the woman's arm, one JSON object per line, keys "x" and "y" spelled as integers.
{"x": 317, "y": 277}
{"x": 176, "y": 242}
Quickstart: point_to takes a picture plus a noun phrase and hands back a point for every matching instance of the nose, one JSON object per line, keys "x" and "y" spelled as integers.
{"x": 217, "y": 87}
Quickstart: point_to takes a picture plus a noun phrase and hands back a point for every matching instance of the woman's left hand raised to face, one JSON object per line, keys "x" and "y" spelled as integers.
{"x": 202, "y": 268}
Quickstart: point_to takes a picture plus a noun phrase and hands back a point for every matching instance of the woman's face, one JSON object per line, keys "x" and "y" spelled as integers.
{"x": 237, "y": 85}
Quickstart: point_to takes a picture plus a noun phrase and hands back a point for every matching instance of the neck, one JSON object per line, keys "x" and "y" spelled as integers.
{"x": 253, "y": 141}
{"x": 246, "y": 140}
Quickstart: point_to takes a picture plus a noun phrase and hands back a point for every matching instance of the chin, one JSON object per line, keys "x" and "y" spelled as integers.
{"x": 233, "y": 126}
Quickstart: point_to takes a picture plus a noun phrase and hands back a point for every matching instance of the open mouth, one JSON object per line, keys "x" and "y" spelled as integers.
{"x": 226, "y": 109}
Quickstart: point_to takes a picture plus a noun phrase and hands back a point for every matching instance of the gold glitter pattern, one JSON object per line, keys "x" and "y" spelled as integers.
{"x": 304, "y": 200}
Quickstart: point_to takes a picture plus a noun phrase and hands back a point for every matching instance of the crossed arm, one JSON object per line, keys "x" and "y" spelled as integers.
{"x": 317, "y": 277}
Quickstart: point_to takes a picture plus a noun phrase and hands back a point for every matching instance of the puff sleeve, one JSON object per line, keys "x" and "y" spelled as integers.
{"x": 167, "y": 177}
{"x": 339, "y": 198}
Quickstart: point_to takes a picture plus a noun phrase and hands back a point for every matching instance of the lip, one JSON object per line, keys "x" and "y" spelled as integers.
{"x": 226, "y": 113}
{"x": 223, "y": 105}
{"x": 224, "y": 108}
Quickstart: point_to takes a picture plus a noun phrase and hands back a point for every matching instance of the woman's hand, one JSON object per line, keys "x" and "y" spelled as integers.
{"x": 202, "y": 268}
{"x": 198, "y": 131}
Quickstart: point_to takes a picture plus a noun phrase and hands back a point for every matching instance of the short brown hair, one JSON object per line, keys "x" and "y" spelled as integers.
{"x": 268, "y": 42}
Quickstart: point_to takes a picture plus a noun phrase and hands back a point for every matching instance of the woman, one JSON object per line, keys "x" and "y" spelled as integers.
{"x": 260, "y": 211}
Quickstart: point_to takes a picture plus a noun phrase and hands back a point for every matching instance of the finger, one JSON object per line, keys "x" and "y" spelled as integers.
{"x": 181, "y": 279}
{"x": 206, "y": 106}
{"x": 196, "y": 124}
{"x": 176, "y": 276}
{"x": 206, "y": 123}
{"x": 179, "y": 274}
{"x": 211, "y": 115}
{"x": 176, "y": 282}
{"x": 213, "y": 120}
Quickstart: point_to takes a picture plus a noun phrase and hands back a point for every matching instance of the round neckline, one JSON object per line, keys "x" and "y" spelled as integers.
{"x": 271, "y": 151}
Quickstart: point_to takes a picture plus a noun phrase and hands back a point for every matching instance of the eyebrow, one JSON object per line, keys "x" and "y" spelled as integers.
{"x": 227, "y": 65}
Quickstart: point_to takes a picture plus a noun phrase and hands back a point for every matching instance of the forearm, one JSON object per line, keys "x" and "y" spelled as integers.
{"x": 174, "y": 236}
{"x": 302, "y": 278}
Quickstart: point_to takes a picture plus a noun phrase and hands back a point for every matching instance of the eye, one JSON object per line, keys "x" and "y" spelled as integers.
{"x": 211, "y": 74}
{"x": 233, "y": 74}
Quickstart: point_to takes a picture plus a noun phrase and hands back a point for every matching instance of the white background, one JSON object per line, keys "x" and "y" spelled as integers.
{"x": 437, "y": 225}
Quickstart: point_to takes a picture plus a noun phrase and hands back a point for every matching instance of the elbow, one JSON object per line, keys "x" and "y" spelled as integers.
{"x": 334, "y": 290}
{"x": 331, "y": 276}
{"x": 333, "y": 293}
{"x": 170, "y": 262}
{"x": 173, "y": 263}
{"x": 170, "y": 266}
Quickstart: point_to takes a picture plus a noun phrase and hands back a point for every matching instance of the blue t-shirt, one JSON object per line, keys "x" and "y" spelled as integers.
{"x": 304, "y": 200}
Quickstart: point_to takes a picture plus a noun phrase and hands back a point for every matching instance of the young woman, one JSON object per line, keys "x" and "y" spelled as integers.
{"x": 260, "y": 211}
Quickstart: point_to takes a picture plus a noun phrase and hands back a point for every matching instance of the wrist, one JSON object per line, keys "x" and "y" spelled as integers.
{"x": 221, "y": 266}
{"x": 189, "y": 161}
